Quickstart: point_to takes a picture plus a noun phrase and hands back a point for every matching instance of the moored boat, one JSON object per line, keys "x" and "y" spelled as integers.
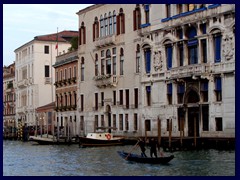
{"x": 46, "y": 139}
{"x": 137, "y": 158}
{"x": 97, "y": 139}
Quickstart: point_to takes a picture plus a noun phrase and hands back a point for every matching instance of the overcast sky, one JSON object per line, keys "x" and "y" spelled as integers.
{"x": 22, "y": 22}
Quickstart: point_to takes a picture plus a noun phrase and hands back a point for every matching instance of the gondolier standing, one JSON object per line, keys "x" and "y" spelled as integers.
{"x": 141, "y": 144}
{"x": 153, "y": 147}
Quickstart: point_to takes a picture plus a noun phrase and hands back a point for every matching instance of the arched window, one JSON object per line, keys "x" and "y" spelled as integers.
{"x": 106, "y": 24}
{"x": 82, "y": 34}
{"x": 114, "y": 22}
{"x": 101, "y": 26}
{"x": 147, "y": 56}
{"x": 121, "y": 22}
{"x": 108, "y": 62}
{"x": 192, "y": 45}
{"x": 137, "y": 18}
{"x": 95, "y": 29}
{"x": 121, "y": 60}
{"x": 110, "y": 23}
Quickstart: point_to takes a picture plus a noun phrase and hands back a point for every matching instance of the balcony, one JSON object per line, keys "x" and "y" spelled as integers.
{"x": 105, "y": 41}
{"x": 223, "y": 67}
{"x": 22, "y": 83}
{"x": 186, "y": 71}
{"x": 48, "y": 80}
{"x": 103, "y": 81}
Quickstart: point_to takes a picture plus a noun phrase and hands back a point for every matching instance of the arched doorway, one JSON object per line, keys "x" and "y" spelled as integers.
{"x": 108, "y": 112}
{"x": 191, "y": 100}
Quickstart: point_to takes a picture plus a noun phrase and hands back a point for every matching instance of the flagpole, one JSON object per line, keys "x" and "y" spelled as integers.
{"x": 57, "y": 41}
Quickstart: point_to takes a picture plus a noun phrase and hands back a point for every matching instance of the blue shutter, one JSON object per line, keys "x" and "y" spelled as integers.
{"x": 169, "y": 57}
{"x": 169, "y": 89}
{"x": 218, "y": 84}
{"x": 146, "y": 7}
{"x": 148, "y": 89}
{"x": 148, "y": 60}
{"x": 181, "y": 89}
{"x": 204, "y": 86}
{"x": 204, "y": 28}
{"x": 217, "y": 49}
{"x": 192, "y": 33}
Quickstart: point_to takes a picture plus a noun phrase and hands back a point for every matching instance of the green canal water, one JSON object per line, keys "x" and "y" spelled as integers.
{"x": 29, "y": 159}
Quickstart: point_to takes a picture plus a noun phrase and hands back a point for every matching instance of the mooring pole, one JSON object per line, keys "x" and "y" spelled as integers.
{"x": 195, "y": 132}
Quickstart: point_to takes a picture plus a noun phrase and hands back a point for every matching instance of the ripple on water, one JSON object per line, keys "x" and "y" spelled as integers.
{"x": 26, "y": 159}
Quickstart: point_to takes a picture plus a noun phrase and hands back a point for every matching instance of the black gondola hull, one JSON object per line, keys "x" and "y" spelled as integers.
{"x": 140, "y": 159}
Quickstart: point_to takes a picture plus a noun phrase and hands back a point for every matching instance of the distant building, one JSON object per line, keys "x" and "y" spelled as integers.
{"x": 9, "y": 123}
{"x": 66, "y": 77}
{"x": 141, "y": 64}
{"x": 35, "y": 74}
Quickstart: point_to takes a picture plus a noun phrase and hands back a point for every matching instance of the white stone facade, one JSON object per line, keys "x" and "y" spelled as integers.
{"x": 33, "y": 87}
{"x": 186, "y": 71}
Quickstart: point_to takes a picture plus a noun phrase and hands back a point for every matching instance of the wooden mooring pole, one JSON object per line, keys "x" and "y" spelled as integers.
{"x": 159, "y": 132}
{"x": 170, "y": 135}
{"x": 195, "y": 132}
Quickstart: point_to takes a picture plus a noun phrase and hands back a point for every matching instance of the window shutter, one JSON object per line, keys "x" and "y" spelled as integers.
{"x": 204, "y": 86}
{"x": 118, "y": 25}
{"x": 134, "y": 20}
{"x": 148, "y": 60}
{"x": 217, "y": 49}
{"x": 148, "y": 89}
{"x": 181, "y": 89}
{"x": 218, "y": 84}
{"x": 97, "y": 30}
{"x": 123, "y": 24}
{"x": 84, "y": 35}
{"x": 80, "y": 38}
{"x": 93, "y": 31}
{"x": 169, "y": 57}
{"x": 169, "y": 89}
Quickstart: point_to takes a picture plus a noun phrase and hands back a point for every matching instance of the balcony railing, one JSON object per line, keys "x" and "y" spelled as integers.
{"x": 22, "y": 83}
{"x": 105, "y": 81}
{"x": 105, "y": 41}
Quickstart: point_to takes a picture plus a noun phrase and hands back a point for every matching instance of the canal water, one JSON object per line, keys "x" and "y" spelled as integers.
{"x": 29, "y": 159}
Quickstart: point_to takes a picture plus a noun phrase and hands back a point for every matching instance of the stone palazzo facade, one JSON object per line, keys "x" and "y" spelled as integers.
{"x": 142, "y": 67}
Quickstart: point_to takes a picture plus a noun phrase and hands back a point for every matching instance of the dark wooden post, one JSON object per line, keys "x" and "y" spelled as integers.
{"x": 159, "y": 132}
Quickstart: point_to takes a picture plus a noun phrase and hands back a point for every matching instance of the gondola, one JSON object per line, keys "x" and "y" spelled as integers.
{"x": 149, "y": 160}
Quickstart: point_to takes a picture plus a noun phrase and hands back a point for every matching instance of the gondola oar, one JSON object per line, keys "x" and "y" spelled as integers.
{"x": 132, "y": 150}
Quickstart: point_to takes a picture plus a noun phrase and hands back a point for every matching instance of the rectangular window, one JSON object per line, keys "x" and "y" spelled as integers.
{"x": 82, "y": 102}
{"x": 147, "y": 125}
{"x": 204, "y": 91}
{"x": 127, "y": 98}
{"x": 102, "y": 98}
{"x": 218, "y": 88}
{"x": 168, "y": 10}
{"x": 120, "y": 122}
{"x": 114, "y": 121}
{"x": 135, "y": 123}
{"x": 204, "y": 50}
{"x": 46, "y": 70}
{"x": 96, "y": 101}
{"x": 46, "y": 49}
{"x": 205, "y": 115}
{"x": 169, "y": 93}
{"x": 136, "y": 97}
{"x": 114, "y": 98}
{"x": 169, "y": 56}
{"x": 219, "y": 124}
{"x": 180, "y": 93}
{"x": 137, "y": 62}
{"x": 102, "y": 67}
{"x": 82, "y": 72}
{"x": 126, "y": 122}
{"x": 120, "y": 97}
{"x": 108, "y": 66}
{"x": 121, "y": 65}
{"x": 114, "y": 65}
{"x": 217, "y": 48}
{"x": 81, "y": 123}
{"x": 96, "y": 121}
{"x": 148, "y": 94}
{"x": 181, "y": 55}
{"x": 75, "y": 71}
{"x": 148, "y": 60}
{"x": 168, "y": 124}
{"x": 192, "y": 54}
{"x": 102, "y": 121}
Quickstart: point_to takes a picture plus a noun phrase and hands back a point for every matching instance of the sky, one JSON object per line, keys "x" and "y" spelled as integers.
{"x": 22, "y": 22}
